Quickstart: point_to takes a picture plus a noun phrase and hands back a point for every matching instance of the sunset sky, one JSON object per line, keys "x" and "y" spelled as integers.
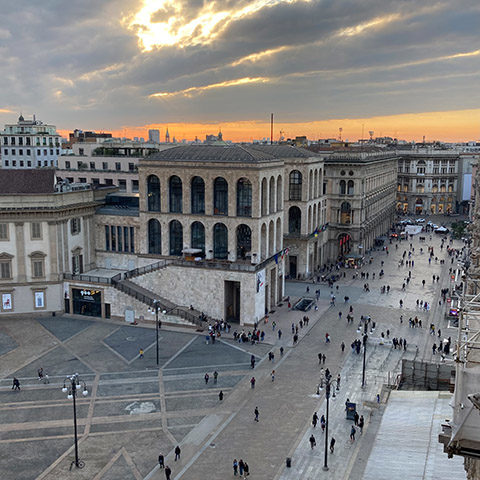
{"x": 399, "y": 68}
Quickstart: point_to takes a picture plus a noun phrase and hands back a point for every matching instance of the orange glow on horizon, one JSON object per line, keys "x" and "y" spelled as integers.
{"x": 449, "y": 126}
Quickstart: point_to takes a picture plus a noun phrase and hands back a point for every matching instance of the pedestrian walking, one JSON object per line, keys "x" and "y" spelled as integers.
{"x": 314, "y": 419}
{"x": 319, "y": 358}
{"x": 324, "y": 357}
{"x": 279, "y": 334}
{"x": 256, "y": 412}
{"x": 332, "y": 445}
{"x": 241, "y": 466}
{"x": 361, "y": 423}
{"x": 352, "y": 434}
{"x": 252, "y": 382}
{"x": 177, "y": 453}
{"x": 322, "y": 423}
{"x": 313, "y": 443}
{"x": 342, "y": 346}
{"x": 252, "y": 361}
{"x": 281, "y": 351}
{"x": 40, "y": 373}
{"x": 168, "y": 472}
{"x": 206, "y": 377}
{"x": 220, "y": 395}
{"x": 273, "y": 375}
{"x": 16, "y": 384}
{"x": 215, "y": 376}
{"x": 246, "y": 470}
{"x": 140, "y": 353}
{"x": 235, "y": 466}
{"x": 355, "y": 418}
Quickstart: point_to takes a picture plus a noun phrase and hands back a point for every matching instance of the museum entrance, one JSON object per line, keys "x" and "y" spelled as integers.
{"x": 232, "y": 301}
{"x": 292, "y": 262}
{"x": 87, "y": 302}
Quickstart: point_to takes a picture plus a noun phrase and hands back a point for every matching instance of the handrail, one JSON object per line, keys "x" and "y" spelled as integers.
{"x": 87, "y": 278}
{"x": 146, "y": 269}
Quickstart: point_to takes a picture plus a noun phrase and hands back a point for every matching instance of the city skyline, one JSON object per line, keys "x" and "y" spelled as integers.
{"x": 395, "y": 68}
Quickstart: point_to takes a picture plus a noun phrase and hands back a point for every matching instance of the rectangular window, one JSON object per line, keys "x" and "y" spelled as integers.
{"x": 118, "y": 166}
{"x": 67, "y": 164}
{"x": 131, "y": 167}
{"x": 58, "y": 151}
{"x": 134, "y": 186}
{"x": 132, "y": 239}
{"x": 5, "y": 151}
{"x": 81, "y": 151}
{"x": 37, "y": 268}
{"x": 5, "y": 140}
{"x": 324, "y": 188}
{"x": 21, "y": 163}
{"x": 75, "y": 226}
{"x": 14, "y": 163}
{"x": 36, "y": 230}
{"x": 119, "y": 239}
{"x": 45, "y": 152}
{"x": 96, "y": 181}
{"x": 20, "y": 140}
{"x": 125, "y": 239}
{"x": 28, "y": 152}
{"x": 71, "y": 179}
{"x": 92, "y": 165}
{"x": 12, "y": 141}
{"x": 29, "y": 163}
{"x": 5, "y": 269}
{"x": 105, "y": 165}
{"x": 108, "y": 181}
{"x": 113, "y": 238}
{"x": 3, "y": 231}
{"x": 51, "y": 151}
{"x": 122, "y": 185}
{"x": 6, "y": 163}
{"x": 107, "y": 238}
{"x": 13, "y": 151}
{"x": 39, "y": 152}
{"x": 20, "y": 151}
{"x": 27, "y": 141}
{"x": 82, "y": 180}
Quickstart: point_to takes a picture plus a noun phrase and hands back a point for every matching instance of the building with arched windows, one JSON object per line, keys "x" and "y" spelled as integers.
{"x": 361, "y": 195}
{"x": 428, "y": 182}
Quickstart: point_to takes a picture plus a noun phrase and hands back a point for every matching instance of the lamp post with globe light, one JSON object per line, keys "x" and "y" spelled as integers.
{"x": 73, "y": 383}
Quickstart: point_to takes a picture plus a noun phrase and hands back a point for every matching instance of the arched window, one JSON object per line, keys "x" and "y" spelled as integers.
{"x": 271, "y": 195}
{"x": 176, "y": 238}
{"x": 350, "y": 187}
{"x": 343, "y": 187}
{"x": 263, "y": 241}
{"x": 244, "y": 241}
{"x": 153, "y": 193}
{"x": 175, "y": 191}
{"x": 220, "y": 241}
{"x": 198, "y": 195}
{"x": 220, "y": 196}
{"x": 197, "y": 233}
{"x": 315, "y": 183}
{"x": 294, "y": 220}
{"x": 295, "y": 185}
{"x": 279, "y": 193}
{"x": 345, "y": 213}
{"x": 154, "y": 237}
{"x": 264, "y": 197}
{"x": 310, "y": 185}
{"x": 279, "y": 234}
{"x": 271, "y": 238}
{"x": 244, "y": 198}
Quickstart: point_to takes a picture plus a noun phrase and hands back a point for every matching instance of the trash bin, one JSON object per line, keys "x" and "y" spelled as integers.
{"x": 289, "y": 462}
{"x": 350, "y": 409}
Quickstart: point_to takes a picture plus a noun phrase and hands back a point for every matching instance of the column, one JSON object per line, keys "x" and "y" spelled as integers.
{"x": 20, "y": 243}
{"x": 66, "y": 256}
{"x": 53, "y": 251}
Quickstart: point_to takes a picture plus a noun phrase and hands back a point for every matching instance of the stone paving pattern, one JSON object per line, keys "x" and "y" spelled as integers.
{"x": 134, "y": 411}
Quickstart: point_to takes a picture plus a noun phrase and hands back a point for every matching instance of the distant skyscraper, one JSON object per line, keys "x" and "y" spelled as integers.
{"x": 167, "y": 137}
{"x": 154, "y": 136}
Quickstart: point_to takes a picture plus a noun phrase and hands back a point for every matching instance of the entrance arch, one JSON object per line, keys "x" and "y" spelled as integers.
{"x": 344, "y": 244}
{"x": 418, "y": 206}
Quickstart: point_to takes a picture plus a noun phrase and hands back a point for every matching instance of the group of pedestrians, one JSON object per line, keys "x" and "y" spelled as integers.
{"x": 241, "y": 468}
{"x": 166, "y": 468}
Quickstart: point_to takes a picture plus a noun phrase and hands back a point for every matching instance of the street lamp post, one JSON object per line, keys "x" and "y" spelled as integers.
{"x": 74, "y": 381}
{"x": 327, "y": 398}
{"x": 158, "y": 324}
{"x": 365, "y": 338}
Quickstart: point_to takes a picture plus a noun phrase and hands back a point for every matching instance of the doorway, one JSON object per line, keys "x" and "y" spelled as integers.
{"x": 293, "y": 266}
{"x": 232, "y": 301}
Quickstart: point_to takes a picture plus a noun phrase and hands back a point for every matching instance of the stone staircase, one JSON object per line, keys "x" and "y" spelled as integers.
{"x": 122, "y": 283}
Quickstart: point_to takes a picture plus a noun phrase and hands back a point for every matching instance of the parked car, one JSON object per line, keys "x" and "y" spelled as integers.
{"x": 420, "y": 220}
{"x": 442, "y": 230}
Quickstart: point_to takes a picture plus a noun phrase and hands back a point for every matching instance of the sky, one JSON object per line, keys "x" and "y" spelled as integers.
{"x": 399, "y": 68}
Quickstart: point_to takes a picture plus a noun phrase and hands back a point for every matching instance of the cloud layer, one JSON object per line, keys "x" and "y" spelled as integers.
{"x": 102, "y": 65}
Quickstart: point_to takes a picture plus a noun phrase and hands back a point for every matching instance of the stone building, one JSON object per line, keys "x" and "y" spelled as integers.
{"x": 29, "y": 144}
{"x": 44, "y": 233}
{"x": 428, "y": 182}
{"x": 461, "y": 432}
{"x": 361, "y": 197}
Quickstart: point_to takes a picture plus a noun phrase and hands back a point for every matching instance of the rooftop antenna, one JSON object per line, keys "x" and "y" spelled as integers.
{"x": 271, "y": 129}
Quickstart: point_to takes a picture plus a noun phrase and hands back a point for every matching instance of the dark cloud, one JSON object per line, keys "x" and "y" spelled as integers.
{"x": 78, "y": 63}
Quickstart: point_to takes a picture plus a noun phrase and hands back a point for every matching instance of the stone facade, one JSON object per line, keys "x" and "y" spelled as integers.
{"x": 428, "y": 182}
{"x": 361, "y": 196}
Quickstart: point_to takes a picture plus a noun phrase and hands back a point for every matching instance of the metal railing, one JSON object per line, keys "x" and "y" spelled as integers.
{"x": 88, "y": 278}
{"x": 146, "y": 269}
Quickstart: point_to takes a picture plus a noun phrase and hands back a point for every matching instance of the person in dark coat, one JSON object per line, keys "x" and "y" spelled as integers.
{"x": 177, "y": 453}
{"x": 168, "y": 472}
{"x": 332, "y": 445}
{"x": 161, "y": 461}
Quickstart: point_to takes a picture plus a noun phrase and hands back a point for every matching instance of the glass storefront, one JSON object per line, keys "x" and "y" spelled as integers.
{"x": 87, "y": 302}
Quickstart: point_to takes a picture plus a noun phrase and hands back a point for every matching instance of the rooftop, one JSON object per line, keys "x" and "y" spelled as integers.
{"x": 25, "y": 181}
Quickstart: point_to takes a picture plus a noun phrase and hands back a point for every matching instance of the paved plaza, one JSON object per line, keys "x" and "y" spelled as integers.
{"x": 134, "y": 410}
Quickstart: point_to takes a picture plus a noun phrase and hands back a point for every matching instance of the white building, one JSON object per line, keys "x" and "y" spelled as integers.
{"x": 29, "y": 144}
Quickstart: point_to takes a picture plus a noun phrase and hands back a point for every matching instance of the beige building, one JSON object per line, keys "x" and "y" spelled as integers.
{"x": 428, "y": 182}
{"x": 361, "y": 197}
{"x": 44, "y": 233}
